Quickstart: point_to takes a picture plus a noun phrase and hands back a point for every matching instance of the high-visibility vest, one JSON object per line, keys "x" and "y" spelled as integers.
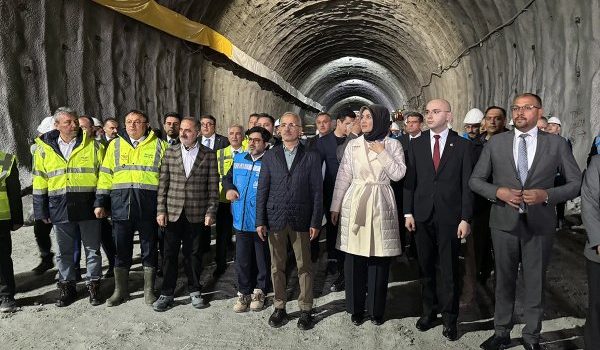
{"x": 225, "y": 160}
{"x": 6, "y": 164}
{"x": 54, "y": 175}
{"x": 127, "y": 167}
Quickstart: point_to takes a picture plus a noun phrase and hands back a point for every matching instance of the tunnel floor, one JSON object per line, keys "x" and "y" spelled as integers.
{"x": 39, "y": 324}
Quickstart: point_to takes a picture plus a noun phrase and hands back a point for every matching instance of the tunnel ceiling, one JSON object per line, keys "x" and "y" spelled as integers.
{"x": 396, "y": 45}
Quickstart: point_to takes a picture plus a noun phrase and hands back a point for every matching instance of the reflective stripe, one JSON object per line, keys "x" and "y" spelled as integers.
{"x": 63, "y": 171}
{"x": 76, "y": 189}
{"x": 117, "y": 151}
{"x": 102, "y": 191}
{"x": 105, "y": 170}
{"x": 139, "y": 168}
{"x": 126, "y": 185}
{"x": 40, "y": 191}
{"x": 38, "y": 173}
{"x": 157, "y": 154}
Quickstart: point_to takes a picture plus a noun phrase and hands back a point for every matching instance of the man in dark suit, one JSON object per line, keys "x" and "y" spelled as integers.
{"x": 289, "y": 203}
{"x": 323, "y": 125}
{"x": 188, "y": 197}
{"x": 171, "y": 123}
{"x": 326, "y": 146}
{"x": 413, "y": 122}
{"x": 438, "y": 204}
{"x": 523, "y": 214}
{"x": 210, "y": 138}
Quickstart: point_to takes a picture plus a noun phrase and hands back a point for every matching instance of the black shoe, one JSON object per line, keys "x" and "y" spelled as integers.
{"x": 495, "y": 343}
{"x": 358, "y": 319}
{"x": 44, "y": 265}
{"x": 8, "y": 304}
{"x": 378, "y": 321}
{"x": 425, "y": 323}
{"x": 305, "y": 322}
{"x": 68, "y": 294}
{"x": 277, "y": 318}
{"x": 94, "y": 289}
{"x": 529, "y": 346}
{"x": 450, "y": 332}
{"x": 338, "y": 285}
{"x": 220, "y": 271}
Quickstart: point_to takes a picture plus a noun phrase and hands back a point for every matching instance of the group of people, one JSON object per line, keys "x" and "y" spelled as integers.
{"x": 376, "y": 191}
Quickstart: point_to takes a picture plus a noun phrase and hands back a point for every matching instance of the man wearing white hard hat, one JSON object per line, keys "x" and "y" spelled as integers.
{"x": 472, "y": 123}
{"x": 555, "y": 127}
{"x": 395, "y": 131}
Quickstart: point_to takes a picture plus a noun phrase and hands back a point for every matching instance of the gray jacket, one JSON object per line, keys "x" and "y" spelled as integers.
{"x": 552, "y": 155}
{"x": 590, "y": 208}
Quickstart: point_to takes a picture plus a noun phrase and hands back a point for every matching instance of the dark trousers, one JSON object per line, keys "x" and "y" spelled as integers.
{"x": 532, "y": 247}
{"x": 123, "y": 231}
{"x": 252, "y": 263}
{"x": 439, "y": 245}
{"x": 482, "y": 239}
{"x": 592, "y": 323}
{"x": 7, "y": 274}
{"x": 186, "y": 236}
{"x": 224, "y": 224}
{"x": 366, "y": 279}
{"x": 42, "y": 231}
{"x": 108, "y": 243}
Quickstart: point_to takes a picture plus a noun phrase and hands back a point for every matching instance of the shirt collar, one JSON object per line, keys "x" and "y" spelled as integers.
{"x": 61, "y": 142}
{"x": 443, "y": 134}
{"x": 533, "y": 132}
{"x": 138, "y": 140}
{"x": 189, "y": 149}
{"x": 414, "y": 137}
{"x": 291, "y": 150}
{"x": 257, "y": 157}
{"x": 212, "y": 137}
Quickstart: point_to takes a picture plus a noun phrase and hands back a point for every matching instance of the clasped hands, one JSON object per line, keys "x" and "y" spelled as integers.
{"x": 514, "y": 197}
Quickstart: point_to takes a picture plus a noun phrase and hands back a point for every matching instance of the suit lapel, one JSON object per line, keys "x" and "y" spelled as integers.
{"x": 198, "y": 160}
{"x": 541, "y": 142}
{"x": 179, "y": 158}
{"x": 448, "y": 151}
{"x": 425, "y": 139}
{"x": 280, "y": 155}
{"x": 508, "y": 144}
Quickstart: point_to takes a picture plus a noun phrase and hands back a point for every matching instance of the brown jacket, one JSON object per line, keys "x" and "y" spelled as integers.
{"x": 198, "y": 194}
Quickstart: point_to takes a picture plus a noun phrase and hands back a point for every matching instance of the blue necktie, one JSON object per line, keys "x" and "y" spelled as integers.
{"x": 522, "y": 164}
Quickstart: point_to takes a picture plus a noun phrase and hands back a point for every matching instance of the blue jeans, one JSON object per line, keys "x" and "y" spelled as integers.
{"x": 66, "y": 235}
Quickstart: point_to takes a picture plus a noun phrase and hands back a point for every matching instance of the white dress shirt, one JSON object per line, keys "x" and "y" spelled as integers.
{"x": 531, "y": 142}
{"x": 443, "y": 138}
{"x": 211, "y": 143}
{"x": 138, "y": 141}
{"x": 66, "y": 148}
{"x": 189, "y": 157}
{"x": 410, "y": 137}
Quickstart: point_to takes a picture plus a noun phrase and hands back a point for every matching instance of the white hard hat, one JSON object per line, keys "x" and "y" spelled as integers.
{"x": 277, "y": 123}
{"x": 511, "y": 122}
{"x": 474, "y": 116}
{"x": 394, "y": 126}
{"x": 46, "y": 125}
{"x": 554, "y": 120}
{"x": 97, "y": 121}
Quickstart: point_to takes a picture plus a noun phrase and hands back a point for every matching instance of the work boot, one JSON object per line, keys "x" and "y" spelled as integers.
{"x": 242, "y": 303}
{"x": 8, "y": 304}
{"x": 68, "y": 294}
{"x": 46, "y": 264}
{"x": 121, "y": 293}
{"x": 258, "y": 300}
{"x": 149, "y": 277}
{"x": 94, "y": 289}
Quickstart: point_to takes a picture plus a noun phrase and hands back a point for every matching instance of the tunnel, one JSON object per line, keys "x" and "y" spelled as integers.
{"x": 302, "y": 56}
{"x": 231, "y": 58}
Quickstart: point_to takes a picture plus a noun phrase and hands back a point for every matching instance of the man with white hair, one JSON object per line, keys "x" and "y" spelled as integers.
{"x": 65, "y": 173}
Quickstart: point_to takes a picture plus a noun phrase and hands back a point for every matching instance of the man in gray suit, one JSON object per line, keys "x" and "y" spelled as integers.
{"x": 523, "y": 164}
{"x": 590, "y": 213}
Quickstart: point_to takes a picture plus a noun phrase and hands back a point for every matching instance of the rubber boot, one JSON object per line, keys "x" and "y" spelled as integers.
{"x": 121, "y": 293}
{"x": 149, "y": 277}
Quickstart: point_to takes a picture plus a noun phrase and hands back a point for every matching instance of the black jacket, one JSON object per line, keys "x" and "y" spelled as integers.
{"x": 445, "y": 193}
{"x": 13, "y": 191}
{"x": 327, "y": 146}
{"x": 290, "y": 197}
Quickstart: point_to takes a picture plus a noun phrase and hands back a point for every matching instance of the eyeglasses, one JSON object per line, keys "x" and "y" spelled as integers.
{"x": 136, "y": 123}
{"x": 286, "y": 126}
{"x": 523, "y": 108}
{"x": 434, "y": 111}
{"x": 255, "y": 140}
{"x": 206, "y": 125}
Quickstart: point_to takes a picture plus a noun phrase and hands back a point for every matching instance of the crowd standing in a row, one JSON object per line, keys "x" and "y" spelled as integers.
{"x": 277, "y": 190}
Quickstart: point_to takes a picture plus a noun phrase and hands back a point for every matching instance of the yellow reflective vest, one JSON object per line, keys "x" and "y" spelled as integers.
{"x": 128, "y": 182}
{"x": 64, "y": 189}
{"x": 6, "y": 164}
{"x": 225, "y": 161}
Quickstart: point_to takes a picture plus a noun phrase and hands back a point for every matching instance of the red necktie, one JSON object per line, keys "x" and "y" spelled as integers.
{"x": 436, "y": 152}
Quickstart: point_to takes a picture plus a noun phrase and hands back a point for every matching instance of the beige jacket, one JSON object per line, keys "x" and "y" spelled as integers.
{"x": 365, "y": 200}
